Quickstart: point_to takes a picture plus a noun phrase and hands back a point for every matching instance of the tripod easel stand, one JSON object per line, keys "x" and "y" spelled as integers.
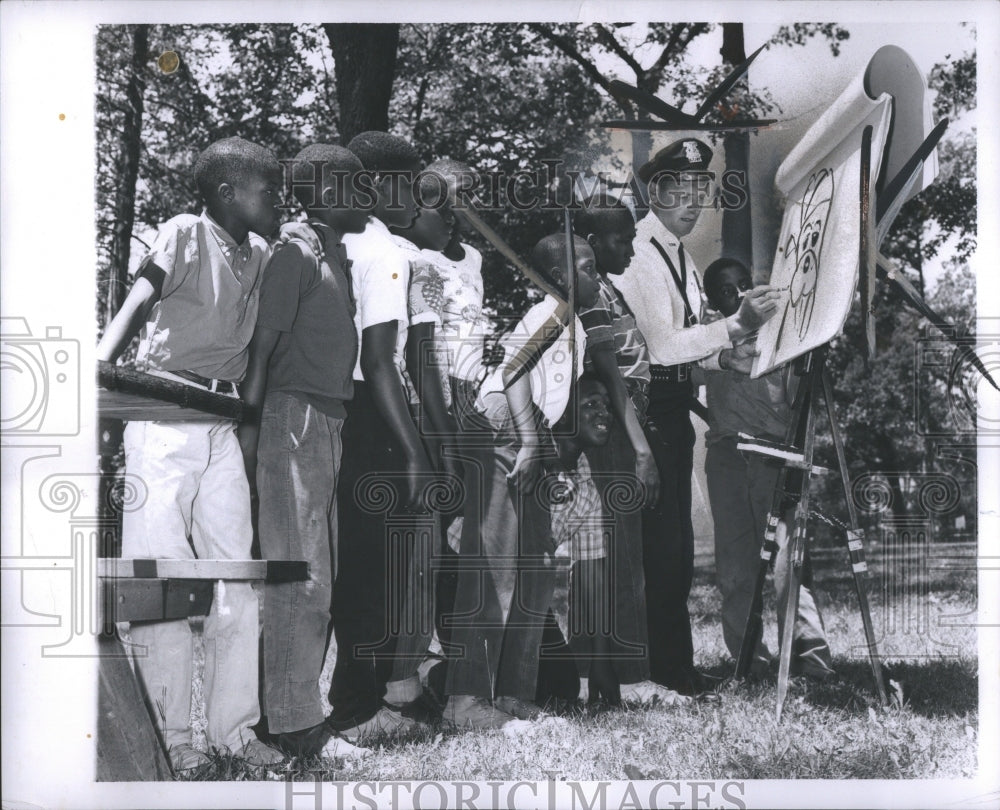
{"x": 796, "y": 474}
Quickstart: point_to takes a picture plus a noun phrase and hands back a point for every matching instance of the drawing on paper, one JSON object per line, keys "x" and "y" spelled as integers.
{"x": 802, "y": 253}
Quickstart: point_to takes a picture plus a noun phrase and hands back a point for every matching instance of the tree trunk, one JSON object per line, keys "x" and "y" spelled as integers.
{"x": 128, "y": 170}
{"x": 737, "y": 226}
{"x": 365, "y": 66}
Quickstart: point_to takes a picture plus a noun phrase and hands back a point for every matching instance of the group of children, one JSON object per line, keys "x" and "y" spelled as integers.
{"x": 356, "y": 343}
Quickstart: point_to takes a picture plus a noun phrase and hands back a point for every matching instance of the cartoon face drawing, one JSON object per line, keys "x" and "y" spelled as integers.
{"x": 804, "y": 248}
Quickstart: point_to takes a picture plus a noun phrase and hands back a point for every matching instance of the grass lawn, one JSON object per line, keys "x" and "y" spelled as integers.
{"x": 833, "y": 730}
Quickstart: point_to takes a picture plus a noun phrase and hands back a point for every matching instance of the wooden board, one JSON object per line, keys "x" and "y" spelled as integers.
{"x": 131, "y": 394}
{"x": 135, "y": 407}
{"x": 128, "y": 747}
{"x": 267, "y": 570}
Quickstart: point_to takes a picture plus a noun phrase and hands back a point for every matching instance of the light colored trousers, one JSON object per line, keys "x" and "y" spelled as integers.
{"x": 196, "y": 488}
{"x": 740, "y": 490}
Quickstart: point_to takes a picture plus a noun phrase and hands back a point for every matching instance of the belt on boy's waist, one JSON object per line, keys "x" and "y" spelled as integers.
{"x": 215, "y": 386}
{"x": 670, "y": 374}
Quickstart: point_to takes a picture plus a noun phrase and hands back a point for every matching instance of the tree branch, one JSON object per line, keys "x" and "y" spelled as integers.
{"x": 608, "y": 40}
{"x": 667, "y": 53}
{"x": 565, "y": 45}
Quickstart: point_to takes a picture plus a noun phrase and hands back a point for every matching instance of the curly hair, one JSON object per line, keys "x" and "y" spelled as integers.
{"x": 382, "y": 152}
{"x": 324, "y": 156}
{"x": 231, "y": 160}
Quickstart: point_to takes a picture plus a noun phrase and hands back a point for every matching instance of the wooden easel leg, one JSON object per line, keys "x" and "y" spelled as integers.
{"x": 798, "y": 542}
{"x": 754, "y": 627}
{"x": 798, "y": 537}
{"x": 855, "y": 546}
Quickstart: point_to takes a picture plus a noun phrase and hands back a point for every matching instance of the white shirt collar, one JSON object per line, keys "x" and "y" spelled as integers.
{"x": 222, "y": 236}
{"x": 650, "y": 226}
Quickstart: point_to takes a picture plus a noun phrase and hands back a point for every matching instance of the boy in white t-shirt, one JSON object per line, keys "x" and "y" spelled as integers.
{"x": 381, "y": 448}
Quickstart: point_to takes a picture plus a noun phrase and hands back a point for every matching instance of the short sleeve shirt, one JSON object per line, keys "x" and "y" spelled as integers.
{"x": 380, "y": 277}
{"x": 552, "y": 377}
{"x": 207, "y": 310}
{"x": 610, "y": 322}
{"x": 578, "y": 513}
{"x": 449, "y": 294}
{"x": 739, "y": 404}
{"x": 307, "y": 298}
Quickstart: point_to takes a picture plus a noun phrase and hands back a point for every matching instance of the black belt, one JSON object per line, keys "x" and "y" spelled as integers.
{"x": 670, "y": 374}
{"x": 216, "y": 386}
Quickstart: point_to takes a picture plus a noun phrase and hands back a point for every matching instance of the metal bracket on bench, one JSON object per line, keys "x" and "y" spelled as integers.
{"x": 132, "y": 600}
{"x": 161, "y": 590}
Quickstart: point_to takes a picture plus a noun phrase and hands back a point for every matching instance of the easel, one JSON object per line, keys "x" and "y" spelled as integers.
{"x": 796, "y": 475}
{"x": 800, "y": 440}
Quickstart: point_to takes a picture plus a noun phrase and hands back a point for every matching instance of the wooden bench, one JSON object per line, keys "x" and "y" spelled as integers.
{"x": 129, "y": 746}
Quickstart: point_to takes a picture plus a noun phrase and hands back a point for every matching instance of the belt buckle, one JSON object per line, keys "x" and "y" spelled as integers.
{"x": 683, "y": 371}
{"x": 213, "y": 386}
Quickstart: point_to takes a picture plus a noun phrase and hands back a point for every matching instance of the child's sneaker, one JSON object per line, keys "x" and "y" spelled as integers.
{"x": 471, "y": 711}
{"x": 521, "y": 709}
{"x": 185, "y": 757}
{"x": 259, "y": 754}
{"x": 649, "y": 693}
{"x": 339, "y": 748}
{"x": 384, "y": 721}
{"x": 319, "y": 740}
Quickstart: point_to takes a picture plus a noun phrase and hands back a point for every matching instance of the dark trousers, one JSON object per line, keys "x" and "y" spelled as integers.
{"x": 373, "y": 617}
{"x": 668, "y": 536}
{"x": 613, "y": 470}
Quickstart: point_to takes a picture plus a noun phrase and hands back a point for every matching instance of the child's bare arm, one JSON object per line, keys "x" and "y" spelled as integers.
{"x": 527, "y": 465}
{"x": 378, "y": 343}
{"x": 130, "y": 318}
{"x": 429, "y": 384}
{"x": 606, "y": 366}
{"x": 252, "y": 393}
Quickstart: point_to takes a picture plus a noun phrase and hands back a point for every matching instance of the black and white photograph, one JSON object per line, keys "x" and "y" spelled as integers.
{"x": 555, "y": 405}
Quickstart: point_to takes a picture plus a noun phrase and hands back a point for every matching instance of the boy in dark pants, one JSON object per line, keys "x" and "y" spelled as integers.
{"x": 381, "y": 448}
{"x": 506, "y": 586}
{"x": 741, "y": 488}
{"x": 299, "y": 377}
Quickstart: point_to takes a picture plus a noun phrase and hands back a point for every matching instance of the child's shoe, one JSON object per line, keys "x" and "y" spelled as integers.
{"x": 185, "y": 757}
{"x": 259, "y": 754}
{"x": 471, "y": 711}
{"x": 648, "y": 693}
{"x": 521, "y": 709}
{"x": 384, "y": 721}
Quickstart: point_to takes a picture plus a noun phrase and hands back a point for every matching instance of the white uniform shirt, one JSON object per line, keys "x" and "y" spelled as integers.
{"x": 648, "y": 287}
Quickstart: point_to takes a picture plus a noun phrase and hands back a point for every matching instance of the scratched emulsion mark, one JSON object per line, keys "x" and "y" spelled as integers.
{"x": 802, "y": 251}
{"x": 169, "y": 61}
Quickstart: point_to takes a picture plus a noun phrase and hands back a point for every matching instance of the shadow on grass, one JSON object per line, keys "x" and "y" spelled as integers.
{"x": 932, "y": 688}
